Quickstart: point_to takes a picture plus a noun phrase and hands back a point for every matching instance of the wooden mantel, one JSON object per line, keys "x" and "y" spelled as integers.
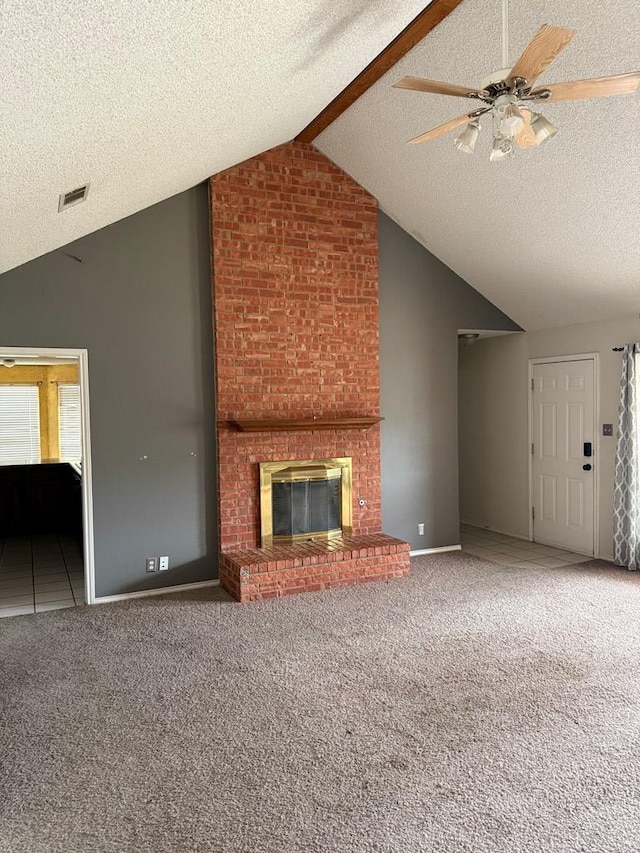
{"x": 302, "y": 424}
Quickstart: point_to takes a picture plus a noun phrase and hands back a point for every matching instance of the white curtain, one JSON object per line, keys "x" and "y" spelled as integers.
{"x": 626, "y": 492}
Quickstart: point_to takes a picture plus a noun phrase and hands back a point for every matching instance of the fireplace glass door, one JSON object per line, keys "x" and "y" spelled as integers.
{"x": 306, "y": 506}
{"x": 305, "y": 500}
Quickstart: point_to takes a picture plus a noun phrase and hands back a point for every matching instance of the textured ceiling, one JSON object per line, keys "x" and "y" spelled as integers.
{"x": 145, "y": 98}
{"x": 551, "y": 237}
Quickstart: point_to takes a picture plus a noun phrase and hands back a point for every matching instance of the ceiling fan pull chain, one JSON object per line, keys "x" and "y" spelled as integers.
{"x": 505, "y": 33}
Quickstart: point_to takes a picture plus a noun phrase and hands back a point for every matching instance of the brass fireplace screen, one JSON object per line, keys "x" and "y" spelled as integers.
{"x": 305, "y": 500}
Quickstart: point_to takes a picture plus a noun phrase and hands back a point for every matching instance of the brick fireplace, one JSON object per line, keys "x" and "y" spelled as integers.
{"x": 295, "y": 285}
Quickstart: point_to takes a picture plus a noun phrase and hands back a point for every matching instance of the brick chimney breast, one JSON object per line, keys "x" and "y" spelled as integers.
{"x": 295, "y": 288}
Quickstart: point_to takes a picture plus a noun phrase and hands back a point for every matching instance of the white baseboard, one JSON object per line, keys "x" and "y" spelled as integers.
{"x": 435, "y": 550}
{"x": 143, "y": 593}
{"x": 495, "y": 530}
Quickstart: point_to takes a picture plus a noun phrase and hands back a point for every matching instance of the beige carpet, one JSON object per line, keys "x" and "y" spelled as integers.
{"x": 469, "y": 708}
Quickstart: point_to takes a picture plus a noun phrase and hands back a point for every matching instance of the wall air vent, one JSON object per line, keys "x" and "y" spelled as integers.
{"x": 73, "y": 197}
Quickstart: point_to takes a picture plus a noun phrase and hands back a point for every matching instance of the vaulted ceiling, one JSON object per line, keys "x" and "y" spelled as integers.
{"x": 145, "y": 98}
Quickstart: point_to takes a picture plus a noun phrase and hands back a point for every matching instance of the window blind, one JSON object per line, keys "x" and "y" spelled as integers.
{"x": 19, "y": 425}
{"x": 69, "y": 423}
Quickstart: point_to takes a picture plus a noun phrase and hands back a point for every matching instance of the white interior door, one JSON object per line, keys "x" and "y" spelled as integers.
{"x": 563, "y": 469}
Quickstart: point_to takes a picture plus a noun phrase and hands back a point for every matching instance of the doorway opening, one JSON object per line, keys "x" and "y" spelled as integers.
{"x": 564, "y": 452}
{"x": 46, "y": 516}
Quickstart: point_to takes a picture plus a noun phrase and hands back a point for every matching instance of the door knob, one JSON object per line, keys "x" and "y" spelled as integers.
{"x": 586, "y": 467}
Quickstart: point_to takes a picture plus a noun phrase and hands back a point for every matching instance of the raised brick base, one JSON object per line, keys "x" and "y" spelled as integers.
{"x": 261, "y": 573}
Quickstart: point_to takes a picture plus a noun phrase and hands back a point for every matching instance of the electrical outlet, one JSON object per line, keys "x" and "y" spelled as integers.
{"x": 152, "y": 564}
{"x": 421, "y": 530}
{"x": 163, "y": 564}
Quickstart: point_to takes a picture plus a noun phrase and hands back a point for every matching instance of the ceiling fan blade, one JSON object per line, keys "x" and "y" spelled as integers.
{"x": 419, "y": 84}
{"x": 526, "y": 138}
{"x": 538, "y": 55}
{"x": 596, "y": 87}
{"x": 441, "y": 129}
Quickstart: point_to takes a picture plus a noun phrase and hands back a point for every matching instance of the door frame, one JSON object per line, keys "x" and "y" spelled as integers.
{"x": 588, "y": 356}
{"x": 87, "y": 482}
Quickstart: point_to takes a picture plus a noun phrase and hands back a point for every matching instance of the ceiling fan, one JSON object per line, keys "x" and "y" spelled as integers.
{"x": 506, "y": 95}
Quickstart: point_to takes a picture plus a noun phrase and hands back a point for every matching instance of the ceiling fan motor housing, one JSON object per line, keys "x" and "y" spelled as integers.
{"x": 497, "y": 81}
{"x": 498, "y": 84}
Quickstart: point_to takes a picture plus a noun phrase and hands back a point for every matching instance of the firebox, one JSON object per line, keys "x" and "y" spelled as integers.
{"x": 304, "y": 500}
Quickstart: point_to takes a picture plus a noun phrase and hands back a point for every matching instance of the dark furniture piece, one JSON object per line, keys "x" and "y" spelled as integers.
{"x": 36, "y": 499}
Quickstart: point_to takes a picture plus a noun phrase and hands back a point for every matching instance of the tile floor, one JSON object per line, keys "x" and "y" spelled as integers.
{"x": 509, "y": 551}
{"x": 40, "y": 573}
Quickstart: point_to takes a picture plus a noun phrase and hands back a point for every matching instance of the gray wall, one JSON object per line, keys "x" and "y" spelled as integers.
{"x": 422, "y": 305}
{"x": 140, "y": 302}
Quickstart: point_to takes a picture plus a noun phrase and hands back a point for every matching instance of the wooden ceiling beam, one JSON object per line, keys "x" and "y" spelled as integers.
{"x": 421, "y": 25}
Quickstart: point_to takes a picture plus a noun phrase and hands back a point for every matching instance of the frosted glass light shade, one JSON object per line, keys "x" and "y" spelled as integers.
{"x": 502, "y": 149}
{"x": 512, "y": 121}
{"x": 542, "y": 128}
{"x": 466, "y": 142}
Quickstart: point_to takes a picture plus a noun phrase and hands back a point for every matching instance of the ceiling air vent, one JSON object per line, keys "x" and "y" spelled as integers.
{"x": 73, "y": 197}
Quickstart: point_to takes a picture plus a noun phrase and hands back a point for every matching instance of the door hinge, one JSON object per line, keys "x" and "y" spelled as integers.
{"x": 532, "y": 449}
{"x": 532, "y": 384}
{"x": 533, "y": 512}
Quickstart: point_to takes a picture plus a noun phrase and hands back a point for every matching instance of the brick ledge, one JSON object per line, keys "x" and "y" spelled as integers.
{"x": 260, "y": 573}
{"x": 305, "y": 553}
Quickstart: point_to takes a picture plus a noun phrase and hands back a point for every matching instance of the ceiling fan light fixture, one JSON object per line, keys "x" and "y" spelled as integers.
{"x": 542, "y": 128}
{"x": 466, "y": 142}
